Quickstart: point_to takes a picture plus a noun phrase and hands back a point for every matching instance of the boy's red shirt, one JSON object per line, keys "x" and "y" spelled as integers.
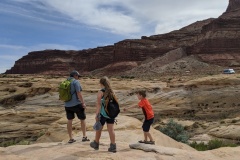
{"x": 146, "y": 108}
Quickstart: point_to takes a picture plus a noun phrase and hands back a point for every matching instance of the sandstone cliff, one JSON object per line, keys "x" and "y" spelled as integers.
{"x": 218, "y": 41}
{"x": 213, "y": 41}
{"x": 233, "y": 5}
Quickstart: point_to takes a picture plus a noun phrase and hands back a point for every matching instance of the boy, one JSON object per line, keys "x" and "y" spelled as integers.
{"x": 149, "y": 116}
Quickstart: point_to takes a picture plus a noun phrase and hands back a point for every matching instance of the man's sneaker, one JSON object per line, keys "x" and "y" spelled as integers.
{"x": 94, "y": 145}
{"x": 112, "y": 148}
{"x": 84, "y": 139}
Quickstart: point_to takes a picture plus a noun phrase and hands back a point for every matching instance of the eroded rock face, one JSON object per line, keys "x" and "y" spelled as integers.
{"x": 233, "y": 5}
{"x": 212, "y": 40}
{"x": 219, "y": 40}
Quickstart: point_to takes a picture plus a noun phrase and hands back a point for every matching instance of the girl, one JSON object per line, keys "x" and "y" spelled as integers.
{"x": 101, "y": 115}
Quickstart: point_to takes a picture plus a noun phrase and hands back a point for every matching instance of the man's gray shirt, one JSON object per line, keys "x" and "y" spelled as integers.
{"x": 75, "y": 87}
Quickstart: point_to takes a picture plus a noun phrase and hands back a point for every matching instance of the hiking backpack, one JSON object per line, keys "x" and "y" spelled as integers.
{"x": 64, "y": 90}
{"x": 111, "y": 106}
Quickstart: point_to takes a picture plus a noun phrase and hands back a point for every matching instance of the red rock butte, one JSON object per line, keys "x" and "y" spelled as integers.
{"x": 215, "y": 41}
{"x": 233, "y": 5}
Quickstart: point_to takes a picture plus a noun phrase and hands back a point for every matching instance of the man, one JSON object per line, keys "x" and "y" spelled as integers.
{"x": 75, "y": 105}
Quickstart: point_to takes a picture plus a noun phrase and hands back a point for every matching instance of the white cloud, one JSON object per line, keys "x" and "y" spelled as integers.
{"x": 98, "y": 14}
{"x": 135, "y": 16}
{"x": 15, "y": 47}
{"x": 131, "y": 16}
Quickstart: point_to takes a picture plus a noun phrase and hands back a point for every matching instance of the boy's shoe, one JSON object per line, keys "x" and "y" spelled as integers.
{"x": 94, "y": 145}
{"x": 150, "y": 142}
{"x": 112, "y": 148}
{"x": 84, "y": 139}
{"x": 141, "y": 141}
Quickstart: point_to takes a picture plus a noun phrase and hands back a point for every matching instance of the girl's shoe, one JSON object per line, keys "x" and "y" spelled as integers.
{"x": 94, "y": 145}
{"x": 112, "y": 148}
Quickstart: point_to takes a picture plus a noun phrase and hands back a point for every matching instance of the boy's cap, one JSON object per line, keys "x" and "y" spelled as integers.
{"x": 73, "y": 73}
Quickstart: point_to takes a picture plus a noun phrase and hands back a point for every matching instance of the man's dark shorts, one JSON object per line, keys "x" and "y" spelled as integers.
{"x": 103, "y": 120}
{"x": 78, "y": 109}
{"x": 147, "y": 124}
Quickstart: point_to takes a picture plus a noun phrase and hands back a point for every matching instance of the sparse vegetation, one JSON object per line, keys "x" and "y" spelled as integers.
{"x": 127, "y": 77}
{"x": 234, "y": 121}
{"x": 212, "y": 144}
{"x": 14, "y": 142}
{"x": 11, "y": 90}
{"x": 222, "y": 122}
{"x": 26, "y": 85}
{"x": 175, "y": 131}
{"x": 3, "y": 75}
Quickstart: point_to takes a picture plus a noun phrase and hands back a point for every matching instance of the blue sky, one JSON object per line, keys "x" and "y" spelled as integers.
{"x": 32, "y": 25}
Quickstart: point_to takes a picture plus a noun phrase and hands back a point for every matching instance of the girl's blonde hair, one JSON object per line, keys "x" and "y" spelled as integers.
{"x": 108, "y": 89}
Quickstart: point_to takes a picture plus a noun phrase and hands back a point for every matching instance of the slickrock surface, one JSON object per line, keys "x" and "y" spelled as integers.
{"x": 128, "y": 132}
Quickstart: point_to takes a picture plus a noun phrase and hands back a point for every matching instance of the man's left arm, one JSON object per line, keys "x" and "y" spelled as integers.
{"x": 79, "y": 94}
{"x": 80, "y": 97}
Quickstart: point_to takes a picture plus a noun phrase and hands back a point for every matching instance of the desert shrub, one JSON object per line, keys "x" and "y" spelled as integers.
{"x": 3, "y": 75}
{"x": 23, "y": 142}
{"x": 222, "y": 122}
{"x": 175, "y": 131}
{"x": 20, "y": 97}
{"x": 212, "y": 144}
{"x": 27, "y": 84}
{"x": 11, "y": 90}
{"x": 199, "y": 146}
{"x": 127, "y": 77}
{"x": 14, "y": 142}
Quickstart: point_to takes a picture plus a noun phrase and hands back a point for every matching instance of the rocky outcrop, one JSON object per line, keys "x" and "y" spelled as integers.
{"x": 213, "y": 41}
{"x": 218, "y": 42}
{"x": 233, "y": 5}
{"x": 61, "y": 62}
{"x": 208, "y": 105}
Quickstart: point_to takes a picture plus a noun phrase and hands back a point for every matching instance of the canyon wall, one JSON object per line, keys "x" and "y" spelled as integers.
{"x": 213, "y": 41}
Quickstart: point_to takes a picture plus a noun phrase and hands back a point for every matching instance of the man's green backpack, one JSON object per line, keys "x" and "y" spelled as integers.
{"x": 64, "y": 90}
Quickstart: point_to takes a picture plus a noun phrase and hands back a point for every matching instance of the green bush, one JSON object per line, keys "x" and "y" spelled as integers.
{"x": 212, "y": 144}
{"x": 175, "y": 131}
{"x": 14, "y": 142}
{"x": 127, "y": 77}
{"x": 199, "y": 146}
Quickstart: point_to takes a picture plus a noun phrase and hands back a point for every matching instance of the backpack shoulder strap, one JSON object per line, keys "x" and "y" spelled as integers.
{"x": 115, "y": 98}
{"x": 72, "y": 80}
